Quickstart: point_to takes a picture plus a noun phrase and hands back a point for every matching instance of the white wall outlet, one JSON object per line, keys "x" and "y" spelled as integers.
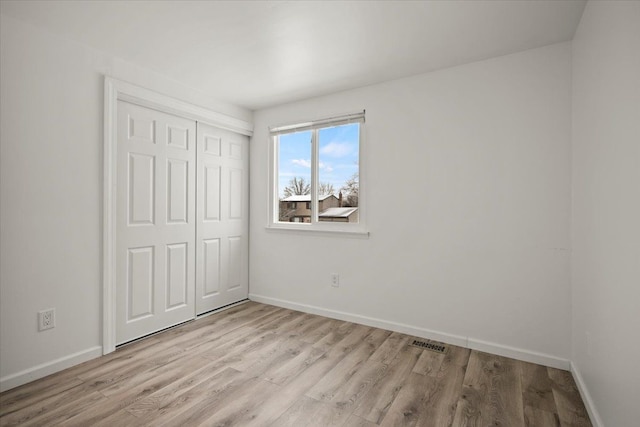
{"x": 46, "y": 319}
{"x": 335, "y": 280}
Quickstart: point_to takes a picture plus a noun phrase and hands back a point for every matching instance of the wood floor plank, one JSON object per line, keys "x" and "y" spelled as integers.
{"x": 254, "y": 355}
{"x": 331, "y": 414}
{"x": 242, "y": 402}
{"x": 282, "y": 373}
{"x": 125, "y": 398}
{"x": 60, "y": 382}
{"x": 297, "y": 386}
{"x": 198, "y": 403}
{"x": 309, "y": 412}
{"x": 211, "y": 407}
{"x": 337, "y": 334}
{"x": 162, "y": 406}
{"x": 48, "y": 411}
{"x": 273, "y": 408}
{"x": 235, "y": 316}
{"x": 430, "y": 400}
{"x": 352, "y": 391}
{"x": 111, "y": 383}
{"x": 356, "y": 421}
{"x": 429, "y": 363}
{"x": 441, "y": 404}
{"x": 492, "y": 392}
{"x": 311, "y": 324}
{"x": 20, "y": 397}
{"x": 255, "y": 365}
{"x": 288, "y": 350}
{"x": 216, "y": 326}
{"x": 323, "y": 329}
{"x": 571, "y": 409}
{"x": 390, "y": 347}
{"x": 115, "y": 382}
{"x": 291, "y": 320}
{"x": 405, "y": 409}
{"x": 534, "y": 417}
{"x": 121, "y": 418}
{"x": 300, "y": 414}
{"x": 378, "y": 400}
{"x": 537, "y": 391}
{"x": 159, "y": 402}
{"x": 59, "y": 414}
{"x": 249, "y": 340}
{"x": 227, "y": 333}
{"x": 346, "y": 398}
{"x": 327, "y": 387}
{"x": 127, "y": 361}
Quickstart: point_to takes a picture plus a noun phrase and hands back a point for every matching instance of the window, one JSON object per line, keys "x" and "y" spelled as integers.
{"x": 317, "y": 165}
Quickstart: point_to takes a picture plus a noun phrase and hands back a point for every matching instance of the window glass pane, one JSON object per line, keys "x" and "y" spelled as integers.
{"x": 294, "y": 177}
{"x": 338, "y": 173}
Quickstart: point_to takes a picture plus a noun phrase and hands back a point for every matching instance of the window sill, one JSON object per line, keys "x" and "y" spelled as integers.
{"x": 358, "y": 233}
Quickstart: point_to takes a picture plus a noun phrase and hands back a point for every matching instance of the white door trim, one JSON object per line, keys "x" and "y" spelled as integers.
{"x": 115, "y": 90}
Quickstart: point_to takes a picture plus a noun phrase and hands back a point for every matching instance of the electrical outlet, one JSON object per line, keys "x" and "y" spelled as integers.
{"x": 335, "y": 280}
{"x": 46, "y": 319}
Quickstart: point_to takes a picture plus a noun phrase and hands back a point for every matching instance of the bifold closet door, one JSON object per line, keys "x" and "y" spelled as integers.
{"x": 222, "y": 215}
{"x": 156, "y": 221}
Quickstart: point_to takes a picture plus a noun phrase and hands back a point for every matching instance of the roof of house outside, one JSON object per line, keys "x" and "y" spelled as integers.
{"x": 305, "y": 198}
{"x": 337, "y": 212}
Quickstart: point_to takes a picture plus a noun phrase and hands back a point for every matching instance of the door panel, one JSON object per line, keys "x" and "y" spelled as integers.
{"x": 235, "y": 262}
{"x": 141, "y": 188}
{"x": 176, "y": 275}
{"x": 222, "y": 215}
{"x": 156, "y": 221}
{"x": 178, "y": 187}
{"x": 235, "y": 194}
{"x": 211, "y": 193}
{"x": 140, "y": 282}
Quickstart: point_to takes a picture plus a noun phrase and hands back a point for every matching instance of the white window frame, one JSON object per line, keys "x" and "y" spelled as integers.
{"x": 321, "y": 227}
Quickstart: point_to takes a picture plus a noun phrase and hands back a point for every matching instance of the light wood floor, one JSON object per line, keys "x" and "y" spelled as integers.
{"x": 259, "y": 365}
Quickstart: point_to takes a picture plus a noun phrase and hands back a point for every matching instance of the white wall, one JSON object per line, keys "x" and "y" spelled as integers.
{"x": 51, "y": 193}
{"x": 468, "y": 173}
{"x": 606, "y": 208}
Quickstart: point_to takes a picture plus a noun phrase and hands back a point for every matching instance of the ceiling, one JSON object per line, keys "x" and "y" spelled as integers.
{"x": 263, "y": 53}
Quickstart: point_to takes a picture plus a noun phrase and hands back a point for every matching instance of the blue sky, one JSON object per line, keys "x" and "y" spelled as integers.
{"x": 338, "y": 155}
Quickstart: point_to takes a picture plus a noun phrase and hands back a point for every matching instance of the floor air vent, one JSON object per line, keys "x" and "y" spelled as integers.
{"x": 430, "y": 345}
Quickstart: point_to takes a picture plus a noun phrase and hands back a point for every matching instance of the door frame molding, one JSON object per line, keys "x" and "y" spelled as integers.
{"x": 115, "y": 90}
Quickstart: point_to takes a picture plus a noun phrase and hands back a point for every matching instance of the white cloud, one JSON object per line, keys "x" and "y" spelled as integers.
{"x": 326, "y": 167}
{"x": 301, "y": 162}
{"x": 337, "y": 149}
{"x": 307, "y": 164}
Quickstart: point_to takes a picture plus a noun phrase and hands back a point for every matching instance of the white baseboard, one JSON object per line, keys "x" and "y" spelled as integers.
{"x": 48, "y": 368}
{"x": 502, "y": 350}
{"x": 586, "y": 397}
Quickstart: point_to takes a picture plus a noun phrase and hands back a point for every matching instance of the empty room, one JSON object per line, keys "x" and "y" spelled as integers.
{"x": 320, "y": 213}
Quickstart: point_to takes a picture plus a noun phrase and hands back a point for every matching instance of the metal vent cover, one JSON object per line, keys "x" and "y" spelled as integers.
{"x": 438, "y": 347}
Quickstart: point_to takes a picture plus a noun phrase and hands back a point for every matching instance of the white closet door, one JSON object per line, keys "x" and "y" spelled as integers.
{"x": 222, "y": 231}
{"x": 156, "y": 221}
